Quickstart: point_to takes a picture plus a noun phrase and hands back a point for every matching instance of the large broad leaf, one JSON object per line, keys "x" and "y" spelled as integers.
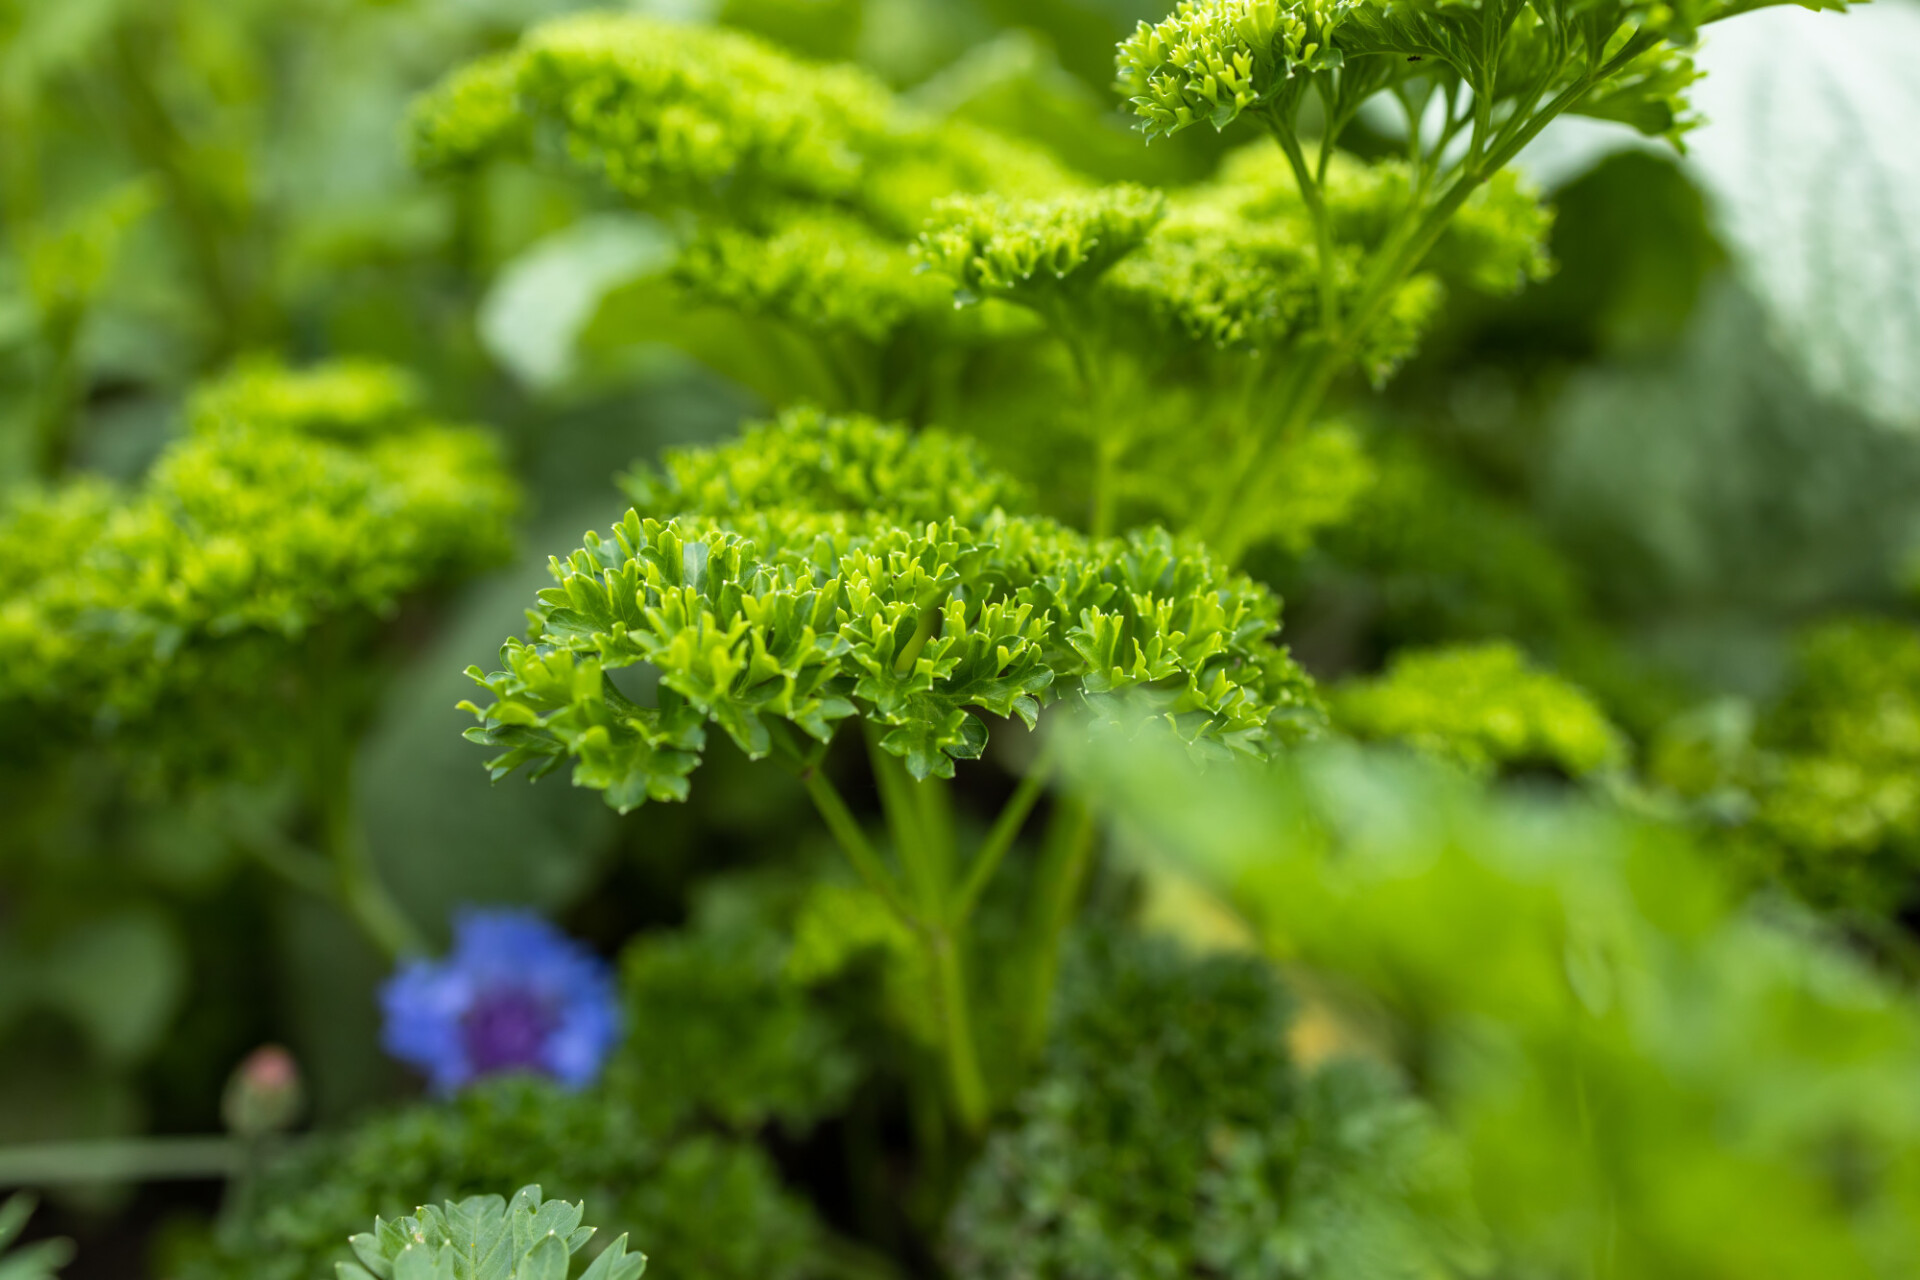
{"x": 1811, "y": 161}
{"x": 535, "y": 312}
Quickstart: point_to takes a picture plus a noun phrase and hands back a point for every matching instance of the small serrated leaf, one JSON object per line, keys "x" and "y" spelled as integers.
{"x": 374, "y": 1255}
{"x": 547, "y": 1260}
{"x": 417, "y": 1262}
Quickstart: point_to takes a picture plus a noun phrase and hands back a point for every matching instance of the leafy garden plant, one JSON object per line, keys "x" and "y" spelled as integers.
{"x": 998, "y": 894}
{"x": 526, "y": 1238}
{"x": 827, "y": 571}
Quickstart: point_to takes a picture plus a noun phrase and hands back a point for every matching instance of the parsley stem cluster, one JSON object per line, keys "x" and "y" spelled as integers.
{"x": 1325, "y": 357}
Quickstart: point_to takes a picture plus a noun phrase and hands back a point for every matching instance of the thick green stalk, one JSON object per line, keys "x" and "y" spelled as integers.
{"x": 334, "y": 797}
{"x": 1103, "y": 506}
{"x": 356, "y": 880}
{"x": 299, "y": 867}
{"x": 922, "y": 838}
{"x": 993, "y": 850}
{"x": 1310, "y": 195}
{"x": 969, "y": 1085}
{"x": 1062, "y": 874}
{"x": 853, "y": 842}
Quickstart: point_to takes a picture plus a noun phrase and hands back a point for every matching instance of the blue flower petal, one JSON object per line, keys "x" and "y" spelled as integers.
{"x": 502, "y": 956}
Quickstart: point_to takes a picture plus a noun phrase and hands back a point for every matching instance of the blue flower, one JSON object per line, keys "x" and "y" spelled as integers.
{"x": 515, "y": 994}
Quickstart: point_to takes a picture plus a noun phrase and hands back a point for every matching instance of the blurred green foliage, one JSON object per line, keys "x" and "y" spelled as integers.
{"x": 1648, "y": 1079}
{"x": 1483, "y": 707}
{"x": 1604, "y": 493}
{"x": 1170, "y": 1134}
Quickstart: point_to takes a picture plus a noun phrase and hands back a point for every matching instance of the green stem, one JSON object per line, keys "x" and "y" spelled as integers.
{"x": 302, "y": 869}
{"x": 360, "y": 891}
{"x": 1236, "y": 520}
{"x": 853, "y": 842}
{"x": 119, "y": 1160}
{"x": 956, "y": 1023}
{"x": 1316, "y": 213}
{"x": 1107, "y": 444}
{"x": 1062, "y": 874}
{"x": 59, "y": 399}
{"x": 993, "y": 850}
{"x": 1106, "y": 477}
{"x": 922, "y": 839}
{"x": 1226, "y": 524}
{"x": 334, "y": 795}
{"x": 1253, "y": 442}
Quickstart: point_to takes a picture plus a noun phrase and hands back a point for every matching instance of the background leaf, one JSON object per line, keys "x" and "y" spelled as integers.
{"x": 543, "y": 300}
{"x": 1814, "y": 175}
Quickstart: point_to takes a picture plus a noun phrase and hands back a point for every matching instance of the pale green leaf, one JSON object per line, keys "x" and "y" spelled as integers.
{"x": 1811, "y": 164}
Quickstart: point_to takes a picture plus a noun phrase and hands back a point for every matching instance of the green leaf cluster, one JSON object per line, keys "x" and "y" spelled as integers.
{"x": 848, "y": 464}
{"x": 821, "y": 270}
{"x": 1170, "y": 1134}
{"x": 1027, "y": 251}
{"x": 842, "y": 927}
{"x": 678, "y": 114}
{"x": 1824, "y": 785}
{"x": 1213, "y": 61}
{"x": 295, "y": 498}
{"x": 486, "y": 1238}
{"x": 1234, "y": 262}
{"x": 803, "y": 615}
{"x": 1481, "y": 706}
{"x": 798, "y": 187}
{"x": 729, "y": 1037}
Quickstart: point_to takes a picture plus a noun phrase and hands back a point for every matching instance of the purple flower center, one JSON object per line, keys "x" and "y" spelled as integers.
{"x": 507, "y": 1030}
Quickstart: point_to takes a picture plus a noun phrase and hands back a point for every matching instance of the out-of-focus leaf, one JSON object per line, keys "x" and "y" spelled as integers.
{"x": 1649, "y": 1079}
{"x": 544, "y": 299}
{"x": 1711, "y": 480}
{"x": 1572, "y": 146}
{"x": 1814, "y": 172}
{"x": 121, "y": 978}
{"x": 1016, "y": 85}
{"x": 39, "y": 39}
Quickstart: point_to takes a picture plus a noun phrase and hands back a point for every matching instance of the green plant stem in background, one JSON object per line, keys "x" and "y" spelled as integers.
{"x": 119, "y": 1160}
{"x": 334, "y": 798}
{"x": 1005, "y": 830}
{"x": 58, "y": 400}
{"x": 1065, "y": 859}
{"x": 1310, "y": 185}
{"x": 361, "y": 892}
